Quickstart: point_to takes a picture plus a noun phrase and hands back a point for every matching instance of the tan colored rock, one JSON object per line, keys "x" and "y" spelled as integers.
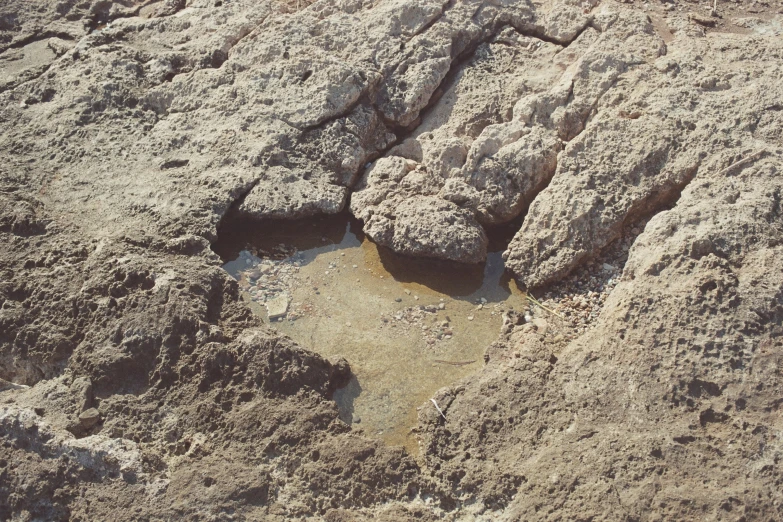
{"x": 89, "y": 418}
{"x": 127, "y": 141}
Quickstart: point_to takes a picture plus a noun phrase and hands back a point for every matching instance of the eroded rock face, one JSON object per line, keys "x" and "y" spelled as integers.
{"x": 134, "y": 380}
{"x": 663, "y": 378}
{"x": 643, "y": 146}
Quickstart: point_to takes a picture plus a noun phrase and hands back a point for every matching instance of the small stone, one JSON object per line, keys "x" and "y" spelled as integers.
{"x": 399, "y": 300}
{"x": 416, "y": 297}
{"x": 89, "y": 418}
{"x": 408, "y": 292}
{"x": 483, "y": 301}
{"x": 541, "y": 324}
{"x": 357, "y": 419}
{"x": 356, "y": 266}
{"x": 470, "y": 318}
{"x": 327, "y": 272}
{"x": 442, "y": 306}
{"x": 277, "y": 307}
{"x": 348, "y": 323}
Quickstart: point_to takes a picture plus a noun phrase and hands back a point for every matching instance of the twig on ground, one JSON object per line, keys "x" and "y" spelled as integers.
{"x": 538, "y": 303}
{"x": 743, "y": 161}
{"x": 438, "y": 408}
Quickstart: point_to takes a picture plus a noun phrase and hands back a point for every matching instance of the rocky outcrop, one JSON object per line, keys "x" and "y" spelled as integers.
{"x": 643, "y": 147}
{"x": 672, "y": 386}
{"x": 135, "y": 383}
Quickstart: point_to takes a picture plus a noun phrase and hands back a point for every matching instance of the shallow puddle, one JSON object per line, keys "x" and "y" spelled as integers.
{"x": 407, "y": 326}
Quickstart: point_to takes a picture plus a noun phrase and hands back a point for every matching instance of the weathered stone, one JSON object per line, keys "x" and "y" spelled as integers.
{"x": 277, "y": 307}
{"x": 131, "y": 129}
{"x": 89, "y": 418}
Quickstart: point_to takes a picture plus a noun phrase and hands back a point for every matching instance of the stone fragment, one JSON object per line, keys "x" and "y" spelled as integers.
{"x": 277, "y": 307}
{"x": 89, "y": 418}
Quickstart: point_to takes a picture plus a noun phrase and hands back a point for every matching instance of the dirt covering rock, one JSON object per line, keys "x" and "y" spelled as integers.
{"x": 640, "y": 148}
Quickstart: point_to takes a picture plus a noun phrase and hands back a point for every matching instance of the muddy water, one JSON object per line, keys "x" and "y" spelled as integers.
{"x": 406, "y": 326}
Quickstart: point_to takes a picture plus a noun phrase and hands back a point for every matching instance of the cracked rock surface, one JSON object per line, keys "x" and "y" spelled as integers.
{"x": 136, "y": 385}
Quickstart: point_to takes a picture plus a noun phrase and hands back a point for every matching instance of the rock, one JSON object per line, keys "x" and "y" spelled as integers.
{"x": 437, "y": 120}
{"x": 82, "y": 392}
{"x": 703, "y": 20}
{"x": 89, "y": 418}
{"x": 429, "y": 227}
{"x": 541, "y": 325}
{"x": 277, "y": 307}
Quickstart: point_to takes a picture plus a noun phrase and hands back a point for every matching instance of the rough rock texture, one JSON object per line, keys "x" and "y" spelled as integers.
{"x": 136, "y": 385}
{"x": 664, "y": 124}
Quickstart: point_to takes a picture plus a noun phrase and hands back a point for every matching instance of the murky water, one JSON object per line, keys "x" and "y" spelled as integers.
{"x": 406, "y": 326}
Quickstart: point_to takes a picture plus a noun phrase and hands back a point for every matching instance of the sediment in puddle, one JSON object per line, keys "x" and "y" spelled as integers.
{"x": 406, "y": 326}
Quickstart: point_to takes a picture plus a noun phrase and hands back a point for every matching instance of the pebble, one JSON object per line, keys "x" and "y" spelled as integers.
{"x": 470, "y": 318}
{"x": 356, "y": 266}
{"x": 408, "y": 292}
{"x": 348, "y": 323}
{"x": 416, "y": 297}
{"x": 89, "y": 418}
{"x": 442, "y": 306}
